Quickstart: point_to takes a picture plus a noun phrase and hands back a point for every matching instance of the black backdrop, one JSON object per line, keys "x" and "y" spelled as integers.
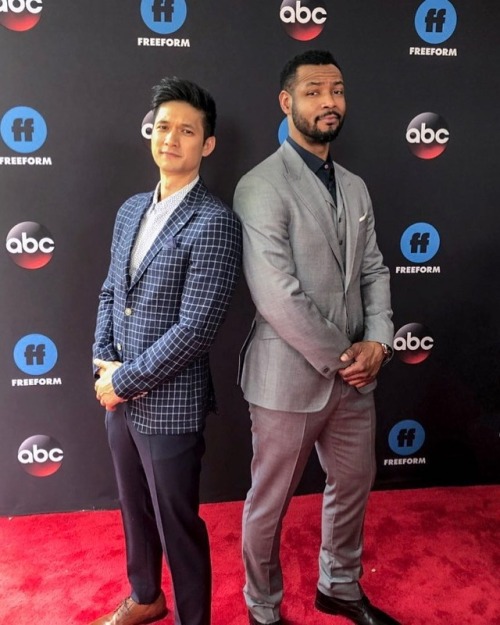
{"x": 84, "y": 71}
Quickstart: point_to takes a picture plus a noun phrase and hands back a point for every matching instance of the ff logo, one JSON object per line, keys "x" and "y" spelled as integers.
{"x": 40, "y": 455}
{"x": 30, "y": 245}
{"x": 147, "y": 128}
{"x": 413, "y": 343}
{"x": 406, "y": 438}
{"x": 435, "y": 20}
{"x": 420, "y": 242}
{"x": 427, "y": 135}
{"x": 283, "y": 131}
{"x": 20, "y": 15}
{"x": 35, "y": 354}
{"x": 303, "y": 19}
{"x": 163, "y": 16}
{"x": 23, "y": 129}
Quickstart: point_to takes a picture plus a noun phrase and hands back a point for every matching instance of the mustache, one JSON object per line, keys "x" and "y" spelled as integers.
{"x": 327, "y": 114}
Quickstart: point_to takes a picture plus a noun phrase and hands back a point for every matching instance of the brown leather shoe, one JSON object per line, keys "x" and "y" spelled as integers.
{"x": 131, "y": 613}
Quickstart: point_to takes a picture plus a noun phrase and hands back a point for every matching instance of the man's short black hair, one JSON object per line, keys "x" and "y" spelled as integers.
{"x": 177, "y": 89}
{"x": 310, "y": 57}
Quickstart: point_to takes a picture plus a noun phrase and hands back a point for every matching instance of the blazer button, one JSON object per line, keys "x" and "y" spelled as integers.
{"x": 128, "y": 311}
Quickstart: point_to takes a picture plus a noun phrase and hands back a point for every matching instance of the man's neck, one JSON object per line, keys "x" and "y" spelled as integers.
{"x": 171, "y": 184}
{"x": 321, "y": 150}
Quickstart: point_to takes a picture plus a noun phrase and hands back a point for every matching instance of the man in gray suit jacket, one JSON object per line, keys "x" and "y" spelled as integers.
{"x": 321, "y": 332}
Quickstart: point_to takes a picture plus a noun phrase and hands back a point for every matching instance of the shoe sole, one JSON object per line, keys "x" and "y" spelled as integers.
{"x": 153, "y": 619}
{"x": 325, "y": 609}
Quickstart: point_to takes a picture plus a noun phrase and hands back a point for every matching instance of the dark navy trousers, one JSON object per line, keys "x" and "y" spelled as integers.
{"x": 158, "y": 479}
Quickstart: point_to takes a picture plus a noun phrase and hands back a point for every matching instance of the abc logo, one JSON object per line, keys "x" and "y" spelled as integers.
{"x": 40, "y": 455}
{"x": 427, "y": 135}
{"x": 413, "y": 343}
{"x": 303, "y": 19}
{"x": 20, "y": 15}
{"x": 30, "y": 245}
{"x": 147, "y": 128}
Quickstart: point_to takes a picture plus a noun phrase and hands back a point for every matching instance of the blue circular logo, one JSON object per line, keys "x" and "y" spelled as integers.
{"x": 283, "y": 131}
{"x": 435, "y": 20}
{"x": 406, "y": 437}
{"x": 420, "y": 242}
{"x": 35, "y": 354}
{"x": 23, "y": 129}
{"x": 163, "y": 16}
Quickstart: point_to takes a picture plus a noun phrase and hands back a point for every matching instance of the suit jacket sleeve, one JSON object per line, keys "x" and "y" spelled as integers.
{"x": 271, "y": 277}
{"x": 103, "y": 347}
{"x": 375, "y": 286}
{"x": 208, "y": 286}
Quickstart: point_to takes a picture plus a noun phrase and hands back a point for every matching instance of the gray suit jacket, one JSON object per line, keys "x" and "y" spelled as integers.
{"x": 309, "y": 307}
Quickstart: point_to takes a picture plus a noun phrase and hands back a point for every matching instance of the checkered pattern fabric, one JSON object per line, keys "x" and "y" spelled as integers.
{"x": 161, "y": 323}
{"x": 153, "y": 221}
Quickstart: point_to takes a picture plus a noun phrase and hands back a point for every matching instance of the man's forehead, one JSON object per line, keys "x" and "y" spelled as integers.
{"x": 179, "y": 109}
{"x": 318, "y": 74}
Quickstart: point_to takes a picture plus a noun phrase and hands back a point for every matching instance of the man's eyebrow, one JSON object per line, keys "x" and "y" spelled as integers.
{"x": 314, "y": 83}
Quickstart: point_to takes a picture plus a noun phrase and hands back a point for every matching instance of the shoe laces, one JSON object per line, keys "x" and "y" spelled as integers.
{"x": 124, "y": 607}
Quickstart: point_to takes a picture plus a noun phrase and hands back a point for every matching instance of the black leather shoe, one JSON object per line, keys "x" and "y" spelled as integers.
{"x": 361, "y": 612}
{"x": 254, "y": 621}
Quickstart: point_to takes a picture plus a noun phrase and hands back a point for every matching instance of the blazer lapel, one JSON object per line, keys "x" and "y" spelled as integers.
{"x": 131, "y": 235}
{"x": 181, "y": 216}
{"x": 313, "y": 194}
{"x": 352, "y": 223}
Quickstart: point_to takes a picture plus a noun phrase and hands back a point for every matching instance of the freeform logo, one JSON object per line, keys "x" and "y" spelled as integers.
{"x": 413, "y": 343}
{"x": 420, "y": 242}
{"x": 435, "y": 20}
{"x": 427, "y": 135}
{"x": 303, "y": 19}
{"x": 406, "y": 437}
{"x": 23, "y": 129}
{"x": 163, "y": 17}
{"x": 35, "y": 354}
{"x": 20, "y": 15}
{"x": 40, "y": 455}
{"x": 30, "y": 245}
{"x": 283, "y": 131}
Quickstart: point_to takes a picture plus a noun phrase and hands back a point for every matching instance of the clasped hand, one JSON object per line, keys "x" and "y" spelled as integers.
{"x": 367, "y": 357}
{"x": 103, "y": 387}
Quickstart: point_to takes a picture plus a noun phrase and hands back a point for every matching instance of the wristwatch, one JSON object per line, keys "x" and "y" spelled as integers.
{"x": 388, "y": 353}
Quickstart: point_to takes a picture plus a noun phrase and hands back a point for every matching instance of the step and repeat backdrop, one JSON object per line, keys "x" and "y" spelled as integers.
{"x": 422, "y": 129}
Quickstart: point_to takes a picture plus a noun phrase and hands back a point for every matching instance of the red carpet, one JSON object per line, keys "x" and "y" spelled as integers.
{"x": 432, "y": 556}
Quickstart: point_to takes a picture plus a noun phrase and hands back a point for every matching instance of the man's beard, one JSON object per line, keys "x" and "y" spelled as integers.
{"x": 311, "y": 131}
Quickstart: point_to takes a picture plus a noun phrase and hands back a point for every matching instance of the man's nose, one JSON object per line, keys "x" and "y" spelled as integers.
{"x": 171, "y": 137}
{"x": 328, "y": 101}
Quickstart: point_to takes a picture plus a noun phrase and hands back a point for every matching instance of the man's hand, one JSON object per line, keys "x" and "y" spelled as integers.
{"x": 103, "y": 387}
{"x": 368, "y": 357}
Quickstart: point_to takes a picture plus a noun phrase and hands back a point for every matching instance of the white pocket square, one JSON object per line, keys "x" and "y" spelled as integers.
{"x": 363, "y": 217}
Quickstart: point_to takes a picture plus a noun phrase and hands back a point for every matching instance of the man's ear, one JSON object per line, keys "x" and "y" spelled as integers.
{"x": 209, "y": 146}
{"x": 285, "y": 100}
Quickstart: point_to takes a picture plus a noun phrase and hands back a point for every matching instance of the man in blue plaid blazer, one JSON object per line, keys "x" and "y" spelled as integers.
{"x": 175, "y": 260}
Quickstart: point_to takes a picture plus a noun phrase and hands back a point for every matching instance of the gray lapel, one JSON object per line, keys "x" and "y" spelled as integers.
{"x": 352, "y": 221}
{"x": 313, "y": 194}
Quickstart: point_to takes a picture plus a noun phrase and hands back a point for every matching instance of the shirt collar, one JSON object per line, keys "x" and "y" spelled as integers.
{"x": 315, "y": 163}
{"x": 174, "y": 199}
